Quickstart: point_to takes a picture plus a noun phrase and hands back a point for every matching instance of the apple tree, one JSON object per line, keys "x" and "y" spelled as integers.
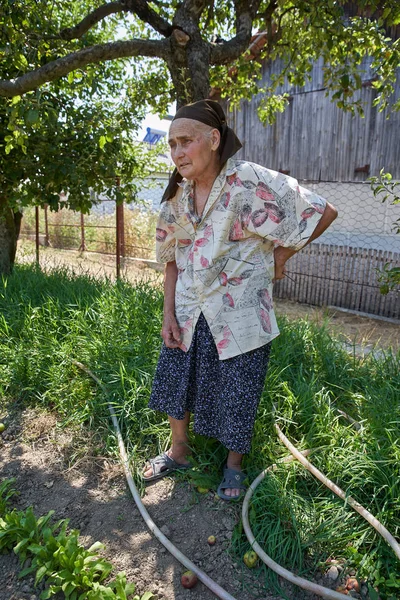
{"x": 77, "y": 54}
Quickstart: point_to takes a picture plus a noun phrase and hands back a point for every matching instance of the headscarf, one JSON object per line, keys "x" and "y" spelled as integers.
{"x": 212, "y": 114}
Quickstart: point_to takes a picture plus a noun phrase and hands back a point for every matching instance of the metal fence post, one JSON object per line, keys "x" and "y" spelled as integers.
{"x": 118, "y": 233}
{"x": 122, "y": 228}
{"x": 82, "y": 247}
{"x": 46, "y": 226}
{"x": 37, "y": 233}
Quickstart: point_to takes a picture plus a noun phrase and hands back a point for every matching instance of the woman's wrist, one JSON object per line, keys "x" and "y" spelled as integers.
{"x": 283, "y": 254}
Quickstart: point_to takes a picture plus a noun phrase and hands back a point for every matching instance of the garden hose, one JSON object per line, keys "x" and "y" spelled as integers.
{"x": 184, "y": 560}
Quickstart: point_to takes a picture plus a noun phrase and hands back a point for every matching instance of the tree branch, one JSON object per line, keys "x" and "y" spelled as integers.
{"x": 232, "y": 49}
{"x": 78, "y": 60}
{"x": 148, "y": 15}
{"x": 72, "y": 33}
{"x": 194, "y": 7}
{"x": 138, "y": 7}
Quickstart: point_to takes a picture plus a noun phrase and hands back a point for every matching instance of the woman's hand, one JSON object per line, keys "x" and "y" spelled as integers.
{"x": 281, "y": 255}
{"x": 170, "y": 332}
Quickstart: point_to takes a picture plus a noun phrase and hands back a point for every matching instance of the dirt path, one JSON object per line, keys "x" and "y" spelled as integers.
{"x": 92, "y": 493}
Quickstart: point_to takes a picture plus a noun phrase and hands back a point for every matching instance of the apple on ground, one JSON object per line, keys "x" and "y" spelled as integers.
{"x": 202, "y": 490}
{"x": 189, "y": 579}
{"x": 211, "y": 540}
{"x": 250, "y": 559}
{"x": 2, "y": 427}
{"x": 352, "y": 584}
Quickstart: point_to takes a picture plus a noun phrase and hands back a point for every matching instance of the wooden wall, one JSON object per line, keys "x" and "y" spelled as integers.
{"x": 315, "y": 140}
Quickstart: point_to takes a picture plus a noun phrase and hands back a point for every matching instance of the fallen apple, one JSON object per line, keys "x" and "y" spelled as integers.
{"x": 250, "y": 559}
{"x": 211, "y": 540}
{"x": 189, "y": 579}
{"x": 352, "y": 584}
{"x": 2, "y": 427}
{"x": 202, "y": 490}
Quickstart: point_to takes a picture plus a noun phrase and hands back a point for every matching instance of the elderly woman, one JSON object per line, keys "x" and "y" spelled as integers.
{"x": 225, "y": 231}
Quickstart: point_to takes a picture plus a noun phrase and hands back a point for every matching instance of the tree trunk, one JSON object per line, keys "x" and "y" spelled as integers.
{"x": 189, "y": 64}
{"x": 10, "y": 224}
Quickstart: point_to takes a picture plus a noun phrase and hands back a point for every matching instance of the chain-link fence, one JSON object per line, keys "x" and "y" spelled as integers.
{"x": 341, "y": 269}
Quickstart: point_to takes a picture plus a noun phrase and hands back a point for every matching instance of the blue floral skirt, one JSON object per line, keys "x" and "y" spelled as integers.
{"x": 223, "y": 395}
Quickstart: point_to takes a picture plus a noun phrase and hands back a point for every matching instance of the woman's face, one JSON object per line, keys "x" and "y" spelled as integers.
{"x": 194, "y": 148}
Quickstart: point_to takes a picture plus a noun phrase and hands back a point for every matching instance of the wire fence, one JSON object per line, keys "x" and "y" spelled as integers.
{"x": 341, "y": 269}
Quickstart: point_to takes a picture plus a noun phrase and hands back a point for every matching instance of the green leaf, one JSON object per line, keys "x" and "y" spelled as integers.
{"x": 130, "y": 588}
{"x": 373, "y": 594}
{"x": 96, "y": 546}
{"x": 41, "y": 572}
{"x": 32, "y": 116}
{"x": 386, "y": 12}
{"x": 102, "y": 141}
{"x": 147, "y": 596}
{"x": 20, "y": 61}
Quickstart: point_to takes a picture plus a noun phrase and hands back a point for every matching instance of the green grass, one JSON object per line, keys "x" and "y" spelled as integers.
{"x": 48, "y": 320}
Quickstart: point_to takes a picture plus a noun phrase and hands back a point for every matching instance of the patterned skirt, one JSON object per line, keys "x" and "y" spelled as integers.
{"x": 223, "y": 395}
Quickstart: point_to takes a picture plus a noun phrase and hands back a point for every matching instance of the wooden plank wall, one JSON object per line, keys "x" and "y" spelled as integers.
{"x": 315, "y": 140}
{"x": 340, "y": 276}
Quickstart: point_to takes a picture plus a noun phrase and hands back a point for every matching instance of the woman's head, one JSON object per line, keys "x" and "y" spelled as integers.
{"x": 202, "y": 126}
{"x": 194, "y": 148}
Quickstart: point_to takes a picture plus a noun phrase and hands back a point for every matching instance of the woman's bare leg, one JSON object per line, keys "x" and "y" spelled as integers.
{"x": 179, "y": 448}
{"x": 234, "y": 461}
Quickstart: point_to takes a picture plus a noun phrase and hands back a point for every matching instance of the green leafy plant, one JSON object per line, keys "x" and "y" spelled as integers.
{"x": 385, "y": 188}
{"x": 20, "y": 529}
{"x": 117, "y": 589}
{"x": 57, "y": 557}
{"x": 6, "y": 493}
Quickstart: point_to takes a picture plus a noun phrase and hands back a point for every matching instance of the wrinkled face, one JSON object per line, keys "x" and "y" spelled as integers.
{"x": 194, "y": 148}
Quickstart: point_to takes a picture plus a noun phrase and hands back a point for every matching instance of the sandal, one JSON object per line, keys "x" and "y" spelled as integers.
{"x": 231, "y": 480}
{"x": 163, "y": 465}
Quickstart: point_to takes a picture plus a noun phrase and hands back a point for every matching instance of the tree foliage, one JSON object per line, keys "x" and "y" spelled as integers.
{"x": 194, "y": 43}
{"x": 75, "y": 134}
{"x": 386, "y": 189}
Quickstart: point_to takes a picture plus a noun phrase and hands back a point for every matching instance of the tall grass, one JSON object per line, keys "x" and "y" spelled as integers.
{"x": 48, "y": 320}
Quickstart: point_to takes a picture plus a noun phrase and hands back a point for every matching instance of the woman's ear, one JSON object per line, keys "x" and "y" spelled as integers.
{"x": 215, "y": 139}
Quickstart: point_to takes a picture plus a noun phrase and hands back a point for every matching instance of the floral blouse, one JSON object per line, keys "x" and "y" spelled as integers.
{"x": 225, "y": 258}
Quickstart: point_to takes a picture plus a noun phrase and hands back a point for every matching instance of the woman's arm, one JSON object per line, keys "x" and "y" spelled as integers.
{"x": 170, "y": 331}
{"x": 282, "y": 254}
